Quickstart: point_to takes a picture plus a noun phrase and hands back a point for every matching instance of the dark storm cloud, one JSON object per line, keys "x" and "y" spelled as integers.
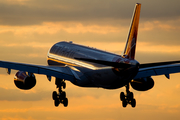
{"x": 35, "y": 12}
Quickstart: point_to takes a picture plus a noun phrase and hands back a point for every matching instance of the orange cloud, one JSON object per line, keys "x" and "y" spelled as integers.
{"x": 54, "y": 27}
{"x": 30, "y": 44}
{"x": 17, "y": 118}
{"x": 21, "y": 2}
{"x": 141, "y": 47}
{"x": 145, "y": 47}
{"x": 167, "y": 25}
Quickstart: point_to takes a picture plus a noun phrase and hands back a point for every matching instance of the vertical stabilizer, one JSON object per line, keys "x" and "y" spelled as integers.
{"x": 129, "y": 51}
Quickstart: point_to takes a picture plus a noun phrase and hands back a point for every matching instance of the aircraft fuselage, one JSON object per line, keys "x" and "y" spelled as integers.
{"x": 89, "y": 74}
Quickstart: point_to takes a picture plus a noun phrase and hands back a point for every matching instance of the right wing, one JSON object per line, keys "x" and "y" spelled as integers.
{"x": 161, "y": 68}
{"x": 56, "y": 71}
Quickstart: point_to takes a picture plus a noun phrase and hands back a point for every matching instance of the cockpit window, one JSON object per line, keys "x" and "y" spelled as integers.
{"x": 54, "y": 49}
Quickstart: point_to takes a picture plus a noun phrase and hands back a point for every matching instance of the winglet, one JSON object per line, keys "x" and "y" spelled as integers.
{"x": 129, "y": 51}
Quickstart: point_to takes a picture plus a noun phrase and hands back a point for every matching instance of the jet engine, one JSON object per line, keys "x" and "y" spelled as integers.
{"x": 24, "y": 81}
{"x": 142, "y": 84}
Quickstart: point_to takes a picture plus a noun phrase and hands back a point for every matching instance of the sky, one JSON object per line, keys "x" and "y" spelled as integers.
{"x": 28, "y": 28}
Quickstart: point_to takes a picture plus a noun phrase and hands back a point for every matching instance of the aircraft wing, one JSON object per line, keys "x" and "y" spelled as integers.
{"x": 56, "y": 71}
{"x": 161, "y": 69}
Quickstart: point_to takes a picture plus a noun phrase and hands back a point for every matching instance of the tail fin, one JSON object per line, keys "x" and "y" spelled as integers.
{"x": 129, "y": 51}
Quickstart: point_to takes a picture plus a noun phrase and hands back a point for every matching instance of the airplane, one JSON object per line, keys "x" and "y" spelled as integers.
{"x": 89, "y": 67}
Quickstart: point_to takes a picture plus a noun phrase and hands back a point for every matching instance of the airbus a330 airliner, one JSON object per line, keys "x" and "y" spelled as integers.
{"x": 89, "y": 67}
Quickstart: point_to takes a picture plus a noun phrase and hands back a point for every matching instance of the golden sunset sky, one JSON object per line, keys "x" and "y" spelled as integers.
{"x": 28, "y": 28}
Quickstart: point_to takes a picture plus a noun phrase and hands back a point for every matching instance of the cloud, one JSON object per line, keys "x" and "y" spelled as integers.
{"x": 16, "y": 118}
{"x": 161, "y": 25}
{"x": 30, "y": 27}
{"x": 17, "y": 95}
{"x": 154, "y": 32}
{"x": 55, "y": 27}
{"x": 145, "y": 47}
{"x": 30, "y": 12}
{"x": 20, "y": 2}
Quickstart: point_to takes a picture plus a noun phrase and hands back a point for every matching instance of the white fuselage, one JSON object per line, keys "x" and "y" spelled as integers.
{"x": 89, "y": 74}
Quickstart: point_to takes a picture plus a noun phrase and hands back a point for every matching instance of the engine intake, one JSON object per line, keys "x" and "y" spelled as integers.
{"x": 24, "y": 81}
{"x": 142, "y": 84}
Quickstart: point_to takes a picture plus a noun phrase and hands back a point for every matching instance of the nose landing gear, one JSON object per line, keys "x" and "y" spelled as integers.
{"x": 127, "y": 98}
{"x": 60, "y": 97}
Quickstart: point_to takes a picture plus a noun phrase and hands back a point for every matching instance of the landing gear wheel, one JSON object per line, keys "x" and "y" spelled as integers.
{"x": 127, "y": 98}
{"x": 133, "y": 103}
{"x": 60, "y": 97}
{"x": 65, "y": 102}
{"x": 122, "y": 96}
{"x": 56, "y": 102}
{"x": 54, "y": 95}
{"x": 124, "y": 103}
{"x": 64, "y": 85}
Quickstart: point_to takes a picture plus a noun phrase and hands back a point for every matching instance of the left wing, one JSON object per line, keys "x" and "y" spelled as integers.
{"x": 56, "y": 71}
{"x": 153, "y": 69}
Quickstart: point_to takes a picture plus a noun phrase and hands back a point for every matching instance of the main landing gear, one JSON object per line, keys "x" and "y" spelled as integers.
{"x": 60, "y": 97}
{"x": 127, "y": 98}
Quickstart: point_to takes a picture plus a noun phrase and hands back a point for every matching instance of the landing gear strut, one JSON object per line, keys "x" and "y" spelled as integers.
{"x": 127, "y": 98}
{"x": 60, "y": 97}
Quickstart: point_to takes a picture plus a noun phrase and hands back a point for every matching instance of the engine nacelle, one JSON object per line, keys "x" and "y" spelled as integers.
{"x": 142, "y": 84}
{"x": 24, "y": 81}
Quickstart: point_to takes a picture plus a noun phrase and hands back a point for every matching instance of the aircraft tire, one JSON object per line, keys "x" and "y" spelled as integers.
{"x": 122, "y": 96}
{"x": 133, "y": 103}
{"x": 124, "y": 103}
{"x": 64, "y": 85}
{"x": 54, "y": 95}
{"x": 63, "y": 95}
{"x": 56, "y": 102}
{"x": 65, "y": 102}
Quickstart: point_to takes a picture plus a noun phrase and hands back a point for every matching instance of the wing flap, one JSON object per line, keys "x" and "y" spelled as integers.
{"x": 59, "y": 72}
